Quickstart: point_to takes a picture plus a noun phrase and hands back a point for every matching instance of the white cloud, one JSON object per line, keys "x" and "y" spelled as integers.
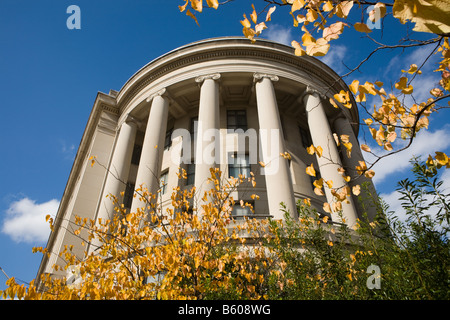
{"x": 25, "y": 220}
{"x": 68, "y": 150}
{"x": 279, "y": 34}
{"x": 335, "y": 57}
{"x": 425, "y": 143}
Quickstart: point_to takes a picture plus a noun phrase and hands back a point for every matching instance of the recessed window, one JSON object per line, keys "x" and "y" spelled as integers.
{"x": 194, "y": 127}
{"x": 163, "y": 182}
{"x": 236, "y": 119}
{"x": 168, "y": 139}
{"x": 190, "y": 173}
{"x": 128, "y": 195}
{"x": 306, "y": 137}
{"x": 136, "y": 157}
{"x": 241, "y": 211}
{"x": 238, "y": 164}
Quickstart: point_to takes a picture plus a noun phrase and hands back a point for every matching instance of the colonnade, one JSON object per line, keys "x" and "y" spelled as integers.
{"x": 278, "y": 183}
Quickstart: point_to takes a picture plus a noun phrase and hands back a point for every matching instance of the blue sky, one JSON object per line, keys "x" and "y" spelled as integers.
{"x": 50, "y": 75}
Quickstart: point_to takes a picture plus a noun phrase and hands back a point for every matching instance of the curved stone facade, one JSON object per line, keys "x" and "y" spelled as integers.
{"x": 225, "y": 103}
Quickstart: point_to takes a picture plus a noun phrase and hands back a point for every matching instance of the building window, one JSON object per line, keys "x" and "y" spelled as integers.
{"x": 190, "y": 174}
{"x": 306, "y": 137}
{"x": 194, "y": 127}
{"x": 136, "y": 157}
{"x": 241, "y": 211}
{"x": 163, "y": 182}
{"x": 238, "y": 164}
{"x": 128, "y": 195}
{"x": 168, "y": 139}
{"x": 236, "y": 119}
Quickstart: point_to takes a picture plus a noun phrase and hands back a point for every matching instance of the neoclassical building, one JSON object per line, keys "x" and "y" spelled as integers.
{"x": 225, "y": 103}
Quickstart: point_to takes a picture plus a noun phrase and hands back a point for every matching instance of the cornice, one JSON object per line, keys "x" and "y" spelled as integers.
{"x": 220, "y": 50}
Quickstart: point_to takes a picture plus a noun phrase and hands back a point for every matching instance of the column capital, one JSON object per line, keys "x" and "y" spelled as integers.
{"x": 259, "y": 76}
{"x": 160, "y": 93}
{"x": 313, "y": 92}
{"x": 212, "y": 76}
{"x": 132, "y": 120}
{"x": 129, "y": 119}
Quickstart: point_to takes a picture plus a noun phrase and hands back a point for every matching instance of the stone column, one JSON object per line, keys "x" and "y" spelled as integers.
{"x": 119, "y": 168}
{"x": 329, "y": 162}
{"x": 207, "y": 153}
{"x": 152, "y": 149}
{"x": 368, "y": 193}
{"x": 277, "y": 175}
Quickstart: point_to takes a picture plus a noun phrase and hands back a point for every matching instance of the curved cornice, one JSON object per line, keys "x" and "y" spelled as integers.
{"x": 231, "y": 48}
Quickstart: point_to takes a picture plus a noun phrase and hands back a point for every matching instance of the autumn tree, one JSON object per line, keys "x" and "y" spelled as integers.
{"x": 204, "y": 253}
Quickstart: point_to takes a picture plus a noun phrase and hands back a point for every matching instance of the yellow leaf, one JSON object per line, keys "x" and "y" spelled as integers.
{"x": 369, "y": 174}
{"x": 429, "y": 16}
{"x": 318, "y": 183}
{"x": 333, "y": 103}
{"x": 348, "y": 146}
{"x": 260, "y": 27}
{"x": 337, "y": 206}
{"x": 330, "y": 184}
{"x": 441, "y": 158}
{"x": 298, "y": 49}
{"x": 343, "y": 9}
{"x": 307, "y": 201}
{"x": 378, "y": 12}
{"x": 365, "y": 148}
{"x": 310, "y": 149}
{"x": 362, "y": 27}
{"x": 356, "y": 190}
{"x": 403, "y": 86}
{"x": 345, "y": 138}
{"x": 190, "y": 14}
{"x": 326, "y": 207}
{"x": 311, "y": 15}
{"x": 262, "y": 164}
{"x": 388, "y": 146}
{"x": 182, "y": 8}
{"x": 245, "y": 22}
{"x": 325, "y": 219}
{"x": 269, "y": 13}
{"x": 368, "y": 121}
{"x": 297, "y": 5}
{"x": 319, "y": 192}
{"x": 327, "y": 6}
{"x": 197, "y": 5}
{"x": 213, "y": 3}
{"x": 412, "y": 69}
{"x": 319, "y": 48}
{"x": 254, "y": 15}
{"x": 47, "y": 217}
{"x": 310, "y": 170}
{"x": 354, "y": 86}
{"x": 333, "y": 31}
{"x": 319, "y": 151}
{"x": 336, "y": 139}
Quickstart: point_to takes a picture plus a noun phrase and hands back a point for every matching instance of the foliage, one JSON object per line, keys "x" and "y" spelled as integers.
{"x": 207, "y": 254}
